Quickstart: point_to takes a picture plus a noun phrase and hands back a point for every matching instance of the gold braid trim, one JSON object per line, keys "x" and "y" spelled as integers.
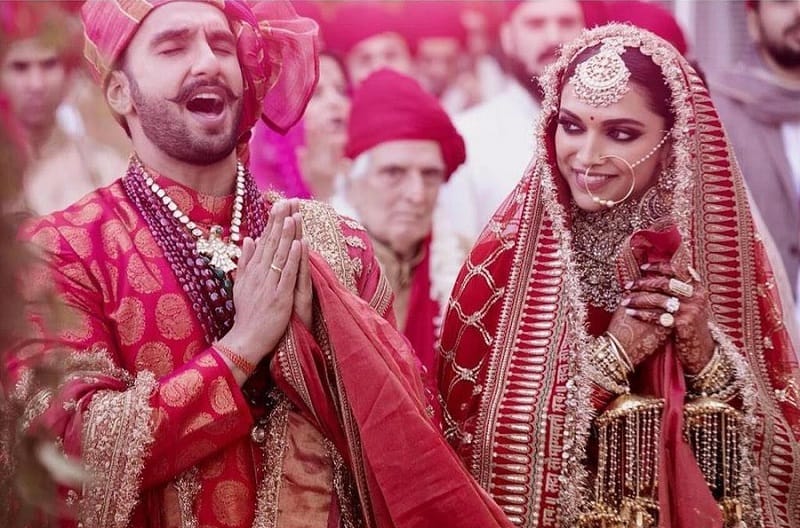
{"x": 382, "y": 298}
{"x": 36, "y": 396}
{"x": 749, "y": 481}
{"x": 322, "y": 229}
{"x": 274, "y": 451}
{"x": 117, "y": 433}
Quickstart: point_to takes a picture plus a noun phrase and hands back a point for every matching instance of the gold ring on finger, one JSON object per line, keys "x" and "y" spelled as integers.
{"x": 273, "y": 267}
{"x": 666, "y": 320}
{"x": 681, "y": 288}
{"x": 672, "y": 305}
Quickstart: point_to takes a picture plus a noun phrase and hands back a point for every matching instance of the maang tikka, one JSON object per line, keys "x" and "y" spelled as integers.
{"x": 602, "y": 79}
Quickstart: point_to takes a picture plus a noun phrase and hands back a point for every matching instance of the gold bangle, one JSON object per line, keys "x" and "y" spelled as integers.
{"x": 714, "y": 378}
{"x": 241, "y": 363}
{"x": 622, "y": 355}
{"x": 607, "y": 369}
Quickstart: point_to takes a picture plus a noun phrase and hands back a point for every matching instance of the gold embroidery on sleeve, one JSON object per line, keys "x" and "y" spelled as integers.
{"x": 116, "y": 438}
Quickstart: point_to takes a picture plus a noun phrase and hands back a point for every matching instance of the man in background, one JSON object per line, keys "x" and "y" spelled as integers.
{"x": 369, "y": 37}
{"x": 39, "y": 50}
{"x": 759, "y": 103}
{"x": 404, "y": 147}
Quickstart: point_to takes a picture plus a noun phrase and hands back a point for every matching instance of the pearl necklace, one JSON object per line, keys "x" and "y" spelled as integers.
{"x": 222, "y": 255}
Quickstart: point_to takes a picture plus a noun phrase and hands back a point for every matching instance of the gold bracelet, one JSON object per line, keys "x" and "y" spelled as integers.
{"x": 622, "y": 355}
{"x": 714, "y": 378}
{"x": 609, "y": 371}
{"x": 241, "y": 363}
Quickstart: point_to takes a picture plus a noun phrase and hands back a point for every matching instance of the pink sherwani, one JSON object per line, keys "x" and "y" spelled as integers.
{"x": 185, "y": 421}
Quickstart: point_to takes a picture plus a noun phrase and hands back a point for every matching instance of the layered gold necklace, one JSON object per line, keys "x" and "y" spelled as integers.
{"x": 598, "y": 239}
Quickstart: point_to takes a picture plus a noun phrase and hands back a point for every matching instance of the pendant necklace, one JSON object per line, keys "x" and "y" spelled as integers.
{"x": 222, "y": 255}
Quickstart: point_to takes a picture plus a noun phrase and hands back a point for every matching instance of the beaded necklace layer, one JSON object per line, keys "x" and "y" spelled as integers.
{"x": 203, "y": 279}
{"x": 222, "y": 255}
{"x": 597, "y": 239}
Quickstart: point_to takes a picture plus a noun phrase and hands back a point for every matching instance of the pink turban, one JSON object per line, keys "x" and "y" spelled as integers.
{"x": 55, "y": 24}
{"x": 389, "y": 106}
{"x": 355, "y": 22}
{"x": 277, "y": 51}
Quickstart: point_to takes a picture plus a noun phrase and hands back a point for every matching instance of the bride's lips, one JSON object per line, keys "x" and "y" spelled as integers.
{"x": 594, "y": 181}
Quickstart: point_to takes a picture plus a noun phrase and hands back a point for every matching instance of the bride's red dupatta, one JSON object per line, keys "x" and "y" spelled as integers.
{"x": 685, "y": 500}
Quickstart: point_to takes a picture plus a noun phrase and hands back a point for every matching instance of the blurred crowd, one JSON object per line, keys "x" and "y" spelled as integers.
{"x": 420, "y": 125}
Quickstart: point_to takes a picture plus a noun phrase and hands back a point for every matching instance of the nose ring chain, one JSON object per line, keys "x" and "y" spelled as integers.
{"x": 612, "y": 203}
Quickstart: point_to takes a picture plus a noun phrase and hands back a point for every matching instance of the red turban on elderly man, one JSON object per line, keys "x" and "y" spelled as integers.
{"x": 390, "y": 106}
{"x": 277, "y": 51}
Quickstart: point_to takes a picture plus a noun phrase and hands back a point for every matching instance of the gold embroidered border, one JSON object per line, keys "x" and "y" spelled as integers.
{"x": 383, "y": 296}
{"x": 288, "y": 361}
{"x": 187, "y": 487}
{"x": 350, "y": 428}
{"x": 273, "y": 450}
{"x": 322, "y": 228}
{"x": 117, "y": 434}
{"x": 344, "y": 487}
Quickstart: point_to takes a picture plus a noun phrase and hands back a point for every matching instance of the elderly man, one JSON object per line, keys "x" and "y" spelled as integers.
{"x": 404, "y": 147}
{"x": 38, "y": 48}
{"x": 231, "y": 368}
{"x": 759, "y": 103}
{"x": 498, "y": 132}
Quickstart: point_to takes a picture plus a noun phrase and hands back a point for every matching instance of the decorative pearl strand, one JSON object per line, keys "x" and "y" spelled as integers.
{"x": 183, "y": 218}
{"x": 612, "y": 203}
{"x": 652, "y": 150}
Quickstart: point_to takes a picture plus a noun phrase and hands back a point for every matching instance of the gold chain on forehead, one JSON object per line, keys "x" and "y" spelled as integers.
{"x": 602, "y": 79}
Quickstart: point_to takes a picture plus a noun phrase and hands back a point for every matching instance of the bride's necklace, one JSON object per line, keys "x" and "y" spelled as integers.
{"x": 222, "y": 255}
{"x": 597, "y": 240}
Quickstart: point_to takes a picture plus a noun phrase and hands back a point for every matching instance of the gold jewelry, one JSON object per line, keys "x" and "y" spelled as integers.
{"x": 222, "y": 255}
{"x": 610, "y": 365}
{"x": 681, "y": 288}
{"x": 713, "y": 430}
{"x": 597, "y": 199}
{"x": 672, "y": 305}
{"x": 622, "y": 355}
{"x": 627, "y": 476}
{"x": 602, "y": 79}
{"x": 666, "y": 319}
{"x": 631, "y": 167}
{"x": 714, "y": 379}
{"x": 273, "y": 267}
{"x": 598, "y": 238}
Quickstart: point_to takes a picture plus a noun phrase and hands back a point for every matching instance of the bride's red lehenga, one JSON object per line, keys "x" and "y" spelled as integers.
{"x": 520, "y": 402}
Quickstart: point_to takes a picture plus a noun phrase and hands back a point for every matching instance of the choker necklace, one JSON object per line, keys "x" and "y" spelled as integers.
{"x": 222, "y": 255}
{"x": 597, "y": 240}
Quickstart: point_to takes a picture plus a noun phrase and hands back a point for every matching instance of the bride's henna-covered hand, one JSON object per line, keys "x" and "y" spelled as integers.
{"x": 638, "y": 337}
{"x": 649, "y": 300}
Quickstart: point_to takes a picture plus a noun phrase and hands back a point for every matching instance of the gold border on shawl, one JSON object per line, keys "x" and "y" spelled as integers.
{"x": 350, "y": 429}
{"x": 534, "y": 355}
{"x": 382, "y": 297}
{"x": 322, "y": 228}
{"x": 290, "y": 366}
